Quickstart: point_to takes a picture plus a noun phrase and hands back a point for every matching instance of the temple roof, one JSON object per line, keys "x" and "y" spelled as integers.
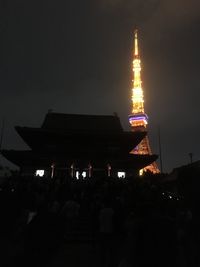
{"x": 80, "y": 134}
{"x": 83, "y": 123}
{"x": 78, "y": 142}
{"x": 67, "y": 138}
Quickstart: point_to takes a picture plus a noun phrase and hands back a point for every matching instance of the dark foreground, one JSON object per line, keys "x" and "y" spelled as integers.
{"x": 96, "y": 222}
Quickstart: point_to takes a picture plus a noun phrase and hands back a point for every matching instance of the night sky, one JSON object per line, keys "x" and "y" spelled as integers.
{"x": 76, "y": 57}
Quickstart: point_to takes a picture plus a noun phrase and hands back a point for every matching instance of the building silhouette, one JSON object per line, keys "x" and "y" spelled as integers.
{"x": 72, "y": 145}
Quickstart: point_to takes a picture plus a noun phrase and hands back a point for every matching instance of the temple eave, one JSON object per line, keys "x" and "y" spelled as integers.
{"x": 29, "y": 158}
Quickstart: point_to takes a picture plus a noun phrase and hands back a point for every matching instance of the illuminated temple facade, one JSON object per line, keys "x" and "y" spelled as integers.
{"x": 138, "y": 119}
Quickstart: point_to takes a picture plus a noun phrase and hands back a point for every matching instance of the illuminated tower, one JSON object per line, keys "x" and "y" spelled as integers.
{"x": 138, "y": 118}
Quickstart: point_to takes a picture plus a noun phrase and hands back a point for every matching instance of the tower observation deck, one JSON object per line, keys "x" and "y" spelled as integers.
{"x": 138, "y": 119}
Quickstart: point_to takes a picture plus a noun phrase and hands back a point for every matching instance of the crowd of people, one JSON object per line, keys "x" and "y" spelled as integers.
{"x": 130, "y": 222}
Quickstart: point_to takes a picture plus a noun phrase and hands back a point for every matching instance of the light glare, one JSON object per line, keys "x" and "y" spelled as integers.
{"x": 121, "y": 174}
{"x": 39, "y": 173}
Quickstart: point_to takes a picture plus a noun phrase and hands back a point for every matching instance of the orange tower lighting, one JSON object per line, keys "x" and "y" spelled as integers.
{"x": 138, "y": 119}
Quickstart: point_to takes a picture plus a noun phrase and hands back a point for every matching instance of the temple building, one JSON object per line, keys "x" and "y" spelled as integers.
{"x": 138, "y": 119}
{"x": 74, "y": 145}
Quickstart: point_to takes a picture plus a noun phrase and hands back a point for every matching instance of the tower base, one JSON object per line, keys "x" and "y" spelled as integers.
{"x": 143, "y": 148}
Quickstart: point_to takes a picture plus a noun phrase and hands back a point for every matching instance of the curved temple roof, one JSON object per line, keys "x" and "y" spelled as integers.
{"x": 83, "y": 123}
{"x": 65, "y": 138}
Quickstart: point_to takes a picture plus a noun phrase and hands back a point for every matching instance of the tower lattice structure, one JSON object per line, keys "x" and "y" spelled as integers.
{"x": 138, "y": 119}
